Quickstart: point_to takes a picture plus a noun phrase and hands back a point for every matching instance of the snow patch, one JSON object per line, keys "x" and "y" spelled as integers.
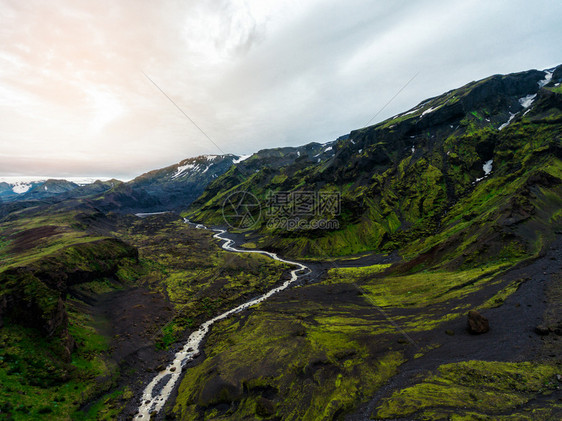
{"x": 329, "y": 148}
{"x": 240, "y": 159}
{"x": 360, "y": 150}
{"x": 415, "y": 110}
{"x": 526, "y": 101}
{"x": 487, "y": 168}
{"x": 210, "y": 157}
{"x": 182, "y": 169}
{"x": 413, "y": 149}
{"x": 504, "y": 125}
{"x": 429, "y": 110}
{"x": 546, "y": 80}
{"x": 21, "y": 188}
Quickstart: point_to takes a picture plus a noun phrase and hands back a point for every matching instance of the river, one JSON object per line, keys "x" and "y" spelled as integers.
{"x": 158, "y": 391}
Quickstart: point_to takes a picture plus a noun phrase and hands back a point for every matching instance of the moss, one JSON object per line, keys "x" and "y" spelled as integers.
{"x": 486, "y": 387}
{"x": 419, "y": 289}
{"x": 354, "y": 274}
{"x": 556, "y": 89}
{"x": 499, "y": 298}
{"x": 41, "y": 381}
{"x": 306, "y": 370}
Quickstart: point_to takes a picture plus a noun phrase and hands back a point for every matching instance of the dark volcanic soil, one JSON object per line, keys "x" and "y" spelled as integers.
{"x": 511, "y": 336}
{"x": 28, "y": 239}
{"x": 133, "y": 318}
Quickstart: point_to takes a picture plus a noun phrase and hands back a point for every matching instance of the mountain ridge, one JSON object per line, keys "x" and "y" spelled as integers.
{"x": 447, "y": 139}
{"x": 454, "y": 205}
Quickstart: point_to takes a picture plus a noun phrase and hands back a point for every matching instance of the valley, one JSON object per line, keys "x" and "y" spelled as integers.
{"x": 451, "y": 207}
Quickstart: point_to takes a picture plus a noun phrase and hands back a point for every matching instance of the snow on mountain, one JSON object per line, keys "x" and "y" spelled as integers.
{"x": 241, "y": 158}
{"x": 547, "y": 78}
{"x": 429, "y": 110}
{"x": 526, "y": 101}
{"x": 182, "y": 169}
{"x": 19, "y": 179}
{"x": 504, "y": 125}
{"x": 20, "y": 187}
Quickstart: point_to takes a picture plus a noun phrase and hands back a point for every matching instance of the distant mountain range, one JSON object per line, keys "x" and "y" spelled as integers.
{"x": 170, "y": 188}
{"x": 452, "y": 207}
{"x": 399, "y": 179}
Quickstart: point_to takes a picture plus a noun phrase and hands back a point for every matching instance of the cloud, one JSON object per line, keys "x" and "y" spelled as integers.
{"x": 251, "y": 73}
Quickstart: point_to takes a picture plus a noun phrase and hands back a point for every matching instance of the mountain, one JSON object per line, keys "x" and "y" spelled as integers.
{"x": 34, "y": 189}
{"x": 170, "y": 188}
{"x": 427, "y": 179}
{"x": 434, "y": 243}
{"x": 269, "y": 161}
{"x": 19, "y": 191}
{"x": 452, "y": 206}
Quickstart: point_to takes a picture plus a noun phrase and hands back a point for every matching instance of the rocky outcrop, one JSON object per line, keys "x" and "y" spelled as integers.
{"x": 542, "y": 330}
{"x": 476, "y": 323}
{"x": 34, "y": 295}
{"x": 218, "y": 390}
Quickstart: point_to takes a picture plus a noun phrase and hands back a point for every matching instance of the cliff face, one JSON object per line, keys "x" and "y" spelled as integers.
{"x": 34, "y": 294}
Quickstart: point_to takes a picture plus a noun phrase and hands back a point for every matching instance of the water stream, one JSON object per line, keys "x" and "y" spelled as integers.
{"x": 159, "y": 389}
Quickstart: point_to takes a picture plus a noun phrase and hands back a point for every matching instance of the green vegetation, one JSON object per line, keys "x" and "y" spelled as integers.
{"x": 198, "y": 276}
{"x": 498, "y": 299}
{"x": 50, "y": 266}
{"x": 36, "y": 385}
{"x": 277, "y": 364}
{"x": 412, "y": 188}
{"x": 428, "y": 203}
{"x": 416, "y": 290}
{"x": 354, "y": 274}
{"x": 477, "y": 390}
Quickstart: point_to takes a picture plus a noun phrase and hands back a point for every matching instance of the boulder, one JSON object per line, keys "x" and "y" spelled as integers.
{"x": 542, "y": 330}
{"x": 264, "y": 407}
{"x": 218, "y": 390}
{"x": 476, "y": 323}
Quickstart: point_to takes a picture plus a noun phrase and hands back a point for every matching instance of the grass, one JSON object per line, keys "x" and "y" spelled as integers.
{"x": 305, "y": 370}
{"x": 36, "y": 385}
{"x": 338, "y": 275}
{"x": 416, "y": 290}
{"x": 479, "y": 389}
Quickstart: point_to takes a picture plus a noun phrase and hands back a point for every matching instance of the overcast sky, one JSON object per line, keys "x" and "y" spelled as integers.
{"x": 252, "y": 74}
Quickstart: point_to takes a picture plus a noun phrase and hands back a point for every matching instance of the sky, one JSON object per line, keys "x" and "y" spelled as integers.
{"x": 76, "y": 97}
